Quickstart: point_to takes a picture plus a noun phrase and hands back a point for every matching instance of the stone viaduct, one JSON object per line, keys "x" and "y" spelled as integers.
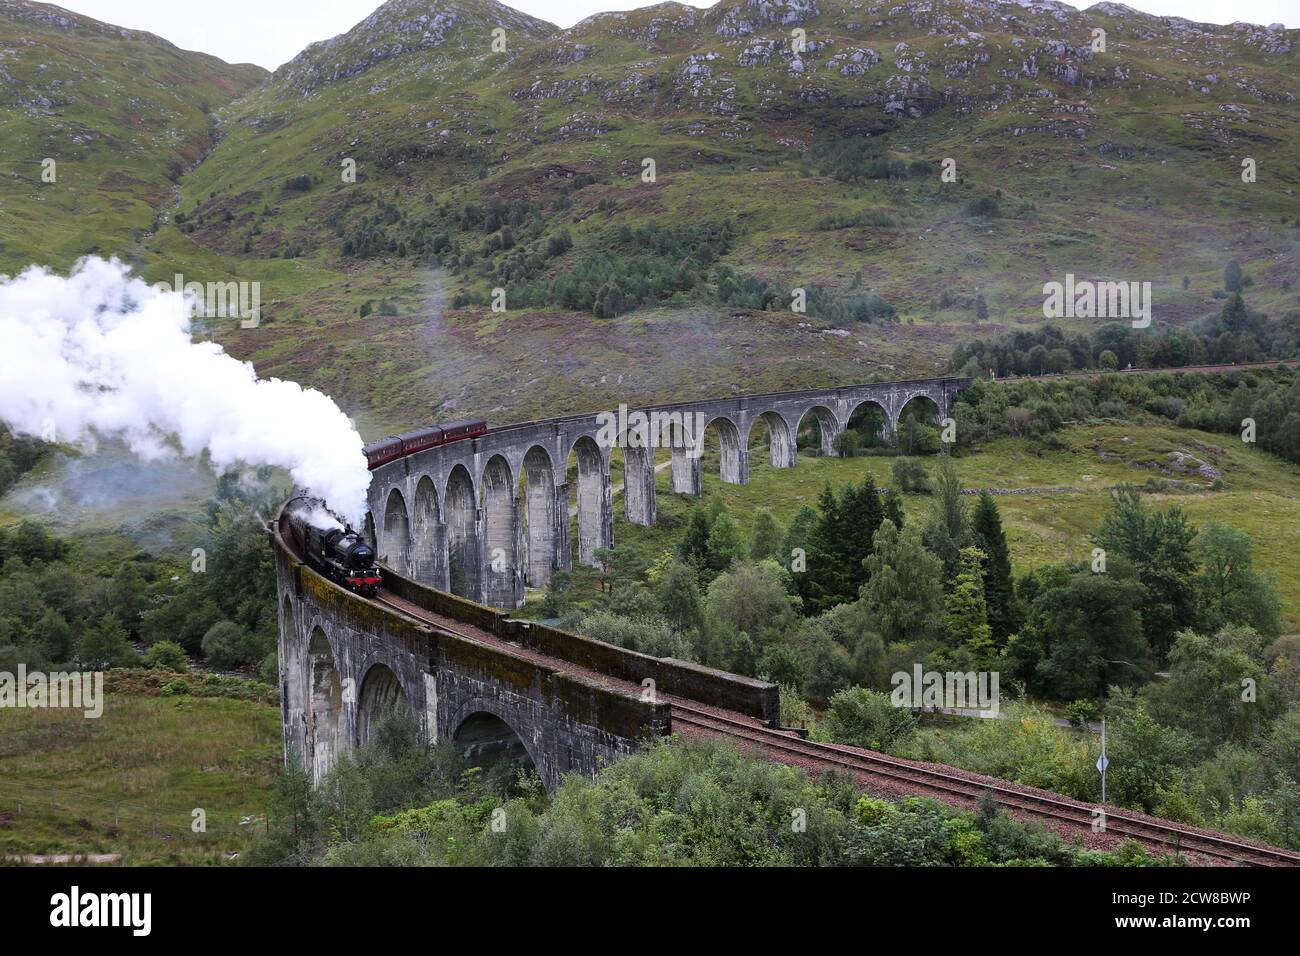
{"x": 467, "y": 673}
{"x": 487, "y": 517}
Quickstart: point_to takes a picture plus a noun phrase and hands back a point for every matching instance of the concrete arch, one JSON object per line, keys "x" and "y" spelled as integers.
{"x": 733, "y": 466}
{"x": 541, "y": 512}
{"x": 324, "y": 704}
{"x": 780, "y": 439}
{"x": 484, "y": 736}
{"x": 396, "y": 545}
{"x": 918, "y": 401}
{"x": 464, "y": 567}
{"x": 867, "y": 405}
{"x": 502, "y": 581}
{"x": 595, "y": 522}
{"x": 828, "y": 426}
{"x": 428, "y": 537}
{"x": 918, "y": 406}
{"x": 381, "y": 695}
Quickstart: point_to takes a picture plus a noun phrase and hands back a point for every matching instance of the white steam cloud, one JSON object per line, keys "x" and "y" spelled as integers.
{"x": 102, "y": 353}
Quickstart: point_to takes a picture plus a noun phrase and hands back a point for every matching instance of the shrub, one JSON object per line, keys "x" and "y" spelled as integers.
{"x": 909, "y": 476}
{"x": 175, "y": 688}
{"x": 985, "y": 207}
{"x": 166, "y": 656}
{"x": 224, "y": 644}
{"x": 867, "y": 718}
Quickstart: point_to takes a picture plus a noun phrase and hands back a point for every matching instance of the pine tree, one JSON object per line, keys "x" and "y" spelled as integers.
{"x": 999, "y": 585}
{"x": 726, "y": 544}
{"x": 966, "y": 609}
{"x": 105, "y": 645}
{"x": 680, "y": 596}
{"x": 693, "y": 549}
{"x": 893, "y": 507}
{"x": 827, "y": 577}
{"x": 798, "y": 540}
{"x": 862, "y": 513}
{"x": 766, "y": 537}
{"x": 948, "y": 530}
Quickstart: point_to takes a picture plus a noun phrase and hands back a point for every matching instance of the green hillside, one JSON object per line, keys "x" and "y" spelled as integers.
{"x": 121, "y": 113}
{"x": 516, "y": 160}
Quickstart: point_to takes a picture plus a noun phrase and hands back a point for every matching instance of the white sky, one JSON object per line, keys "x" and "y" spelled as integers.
{"x": 270, "y": 32}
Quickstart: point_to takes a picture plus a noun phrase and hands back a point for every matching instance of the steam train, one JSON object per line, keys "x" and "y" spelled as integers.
{"x": 330, "y": 546}
{"x": 399, "y": 446}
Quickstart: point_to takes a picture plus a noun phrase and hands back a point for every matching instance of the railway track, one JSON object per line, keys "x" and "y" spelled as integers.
{"x": 951, "y": 785}
{"x": 788, "y": 747}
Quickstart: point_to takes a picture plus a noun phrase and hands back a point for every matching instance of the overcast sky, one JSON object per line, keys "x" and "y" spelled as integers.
{"x": 269, "y": 32}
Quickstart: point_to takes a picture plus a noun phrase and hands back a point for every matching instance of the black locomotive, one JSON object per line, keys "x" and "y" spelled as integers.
{"x": 330, "y": 546}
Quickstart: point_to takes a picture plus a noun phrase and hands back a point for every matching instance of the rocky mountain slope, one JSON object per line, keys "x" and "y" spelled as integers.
{"x": 121, "y": 113}
{"x": 684, "y": 171}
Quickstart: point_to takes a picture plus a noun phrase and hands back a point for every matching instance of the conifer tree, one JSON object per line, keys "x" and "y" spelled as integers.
{"x": 999, "y": 585}
{"x": 966, "y": 609}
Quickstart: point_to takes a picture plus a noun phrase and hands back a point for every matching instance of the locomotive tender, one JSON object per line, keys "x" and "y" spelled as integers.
{"x": 330, "y": 546}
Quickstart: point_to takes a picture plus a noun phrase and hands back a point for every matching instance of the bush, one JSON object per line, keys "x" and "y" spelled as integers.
{"x": 985, "y": 207}
{"x": 909, "y": 476}
{"x": 644, "y": 635}
{"x": 166, "y": 656}
{"x": 224, "y": 644}
{"x": 176, "y": 688}
{"x": 867, "y": 718}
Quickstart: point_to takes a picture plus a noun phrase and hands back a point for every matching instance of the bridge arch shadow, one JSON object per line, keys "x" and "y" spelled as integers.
{"x": 382, "y": 696}
{"x": 397, "y": 533}
{"x": 429, "y": 536}
{"x": 485, "y": 739}
{"x": 921, "y": 407}
{"x": 463, "y": 571}
{"x": 917, "y": 410}
{"x": 869, "y": 420}
{"x": 721, "y": 441}
{"x": 770, "y": 432}
{"x": 585, "y": 464}
{"x": 500, "y": 533}
{"x": 635, "y": 457}
{"x": 816, "y": 432}
{"x": 537, "y": 479}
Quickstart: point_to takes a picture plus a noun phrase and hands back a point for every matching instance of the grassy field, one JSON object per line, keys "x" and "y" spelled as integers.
{"x": 1257, "y": 493}
{"x": 128, "y": 782}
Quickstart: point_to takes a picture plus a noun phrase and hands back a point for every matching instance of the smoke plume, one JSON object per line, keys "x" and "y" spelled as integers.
{"x": 100, "y": 353}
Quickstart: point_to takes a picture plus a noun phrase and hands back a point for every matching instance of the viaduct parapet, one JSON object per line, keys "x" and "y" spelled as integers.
{"x": 469, "y": 674}
{"x": 454, "y": 517}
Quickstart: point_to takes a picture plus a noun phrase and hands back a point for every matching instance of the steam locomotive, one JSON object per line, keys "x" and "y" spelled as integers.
{"x": 399, "y": 446}
{"x": 330, "y": 546}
